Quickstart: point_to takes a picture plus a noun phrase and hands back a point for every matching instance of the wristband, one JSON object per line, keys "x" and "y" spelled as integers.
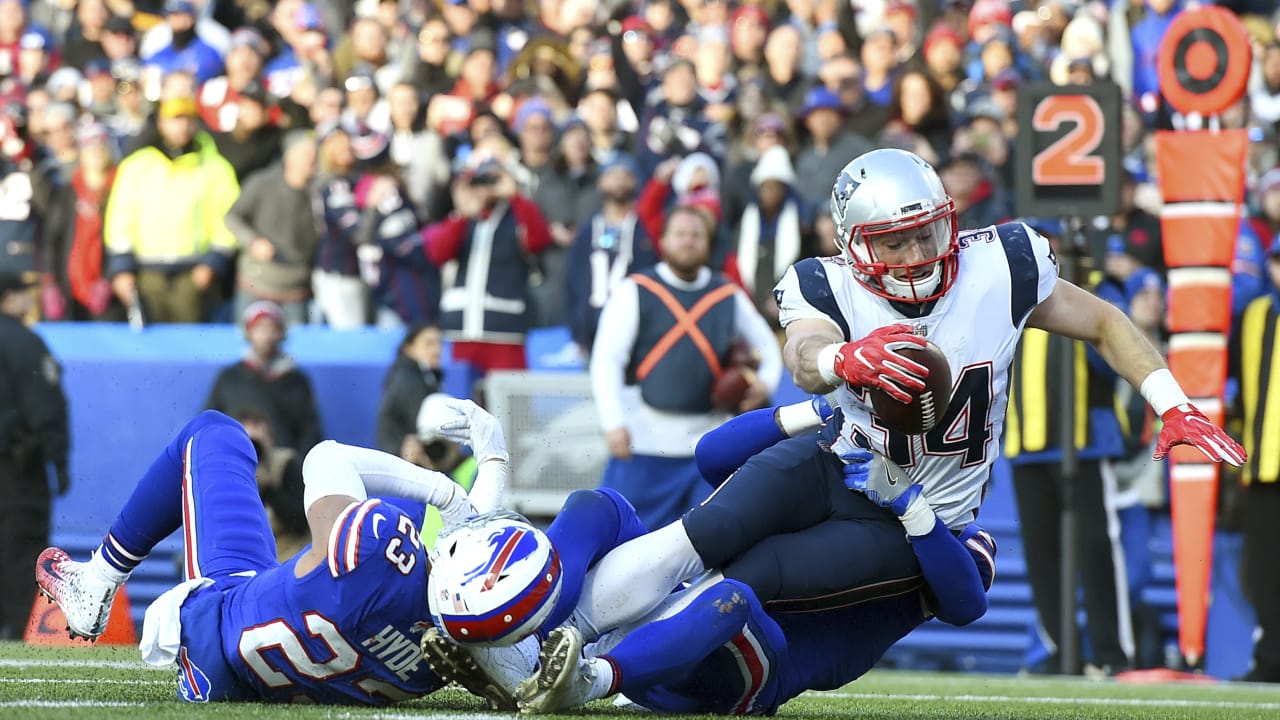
{"x": 796, "y": 418}
{"x": 1162, "y": 392}
{"x": 827, "y": 363}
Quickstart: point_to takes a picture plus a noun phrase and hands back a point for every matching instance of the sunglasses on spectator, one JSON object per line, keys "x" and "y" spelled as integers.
{"x": 631, "y": 36}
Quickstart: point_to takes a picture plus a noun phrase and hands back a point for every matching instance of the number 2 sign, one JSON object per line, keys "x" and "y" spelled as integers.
{"x": 1068, "y": 150}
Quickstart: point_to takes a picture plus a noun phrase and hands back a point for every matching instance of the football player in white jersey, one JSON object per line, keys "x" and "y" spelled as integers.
{"x": 905, "y": 274}
{"x": 787, "y": 524}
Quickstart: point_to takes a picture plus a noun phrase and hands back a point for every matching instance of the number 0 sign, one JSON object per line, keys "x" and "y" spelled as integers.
{"x": 1068, "y": 150}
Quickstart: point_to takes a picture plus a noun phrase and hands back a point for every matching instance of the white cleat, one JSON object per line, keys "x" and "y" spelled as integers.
{"x": 489, "y": 672}
{"x": 84, "y": 596}
{"x": 563, "y": 679}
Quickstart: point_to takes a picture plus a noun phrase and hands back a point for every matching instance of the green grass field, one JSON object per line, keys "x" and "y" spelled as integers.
{"x": 90, "y": 682}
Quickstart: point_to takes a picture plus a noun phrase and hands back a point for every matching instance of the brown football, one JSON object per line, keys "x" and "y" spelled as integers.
{"x": 730, "y": 389}
{"x": 927, "y": 406}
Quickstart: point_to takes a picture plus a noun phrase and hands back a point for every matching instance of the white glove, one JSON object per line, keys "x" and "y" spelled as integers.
{"x": 434, "y": 411}
{"x": 475, "y": 427}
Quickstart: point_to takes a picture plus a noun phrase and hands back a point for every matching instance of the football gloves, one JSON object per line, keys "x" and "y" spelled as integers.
{"x": 473, "y": 426}
{"x": 874, "y": 362}
{"x": 880, "y": 479}
{"x": 1185, "y": 425}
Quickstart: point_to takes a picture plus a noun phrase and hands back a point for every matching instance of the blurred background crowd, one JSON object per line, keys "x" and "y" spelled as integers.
{"x": 486, "y": 167}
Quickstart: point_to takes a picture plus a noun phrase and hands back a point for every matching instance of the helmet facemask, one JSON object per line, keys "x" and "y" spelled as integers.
{"x": 909, "y": 259}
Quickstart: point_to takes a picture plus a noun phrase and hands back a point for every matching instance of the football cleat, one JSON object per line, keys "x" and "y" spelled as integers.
{"x": 563, "y": 680}
{"x": 490, "y": 673}
{"x": 84, "y": 596}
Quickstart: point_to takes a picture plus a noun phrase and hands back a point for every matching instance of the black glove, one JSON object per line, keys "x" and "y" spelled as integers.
{"x": 64, "y": 480}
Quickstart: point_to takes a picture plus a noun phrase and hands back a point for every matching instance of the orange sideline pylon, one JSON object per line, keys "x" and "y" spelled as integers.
{"x": 48, "y": 626}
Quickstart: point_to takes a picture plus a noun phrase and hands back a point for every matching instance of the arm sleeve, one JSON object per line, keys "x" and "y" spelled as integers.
{"x": 443, "y": 240}
{"x": 120, "y": 221}
{"x": 958, "y": 571}
{"x": 226, "y": 190}
{"x": 332, "y": 468}
{"x": 537, "y": 234}
{"x": 723, "y": 450}
{"x": 239, "y": 218}
{"x": 40, "y": 401}
{"x": 615, "y": 338}
{"x": 753, "y": 328}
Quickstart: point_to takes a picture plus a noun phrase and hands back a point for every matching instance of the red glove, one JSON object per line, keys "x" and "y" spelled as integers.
{"x": 1185, "y": 425}
{"x": 873, "y": 362}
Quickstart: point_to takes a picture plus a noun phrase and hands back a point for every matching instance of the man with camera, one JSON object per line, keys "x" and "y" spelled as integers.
{"x": 494, "y": 234}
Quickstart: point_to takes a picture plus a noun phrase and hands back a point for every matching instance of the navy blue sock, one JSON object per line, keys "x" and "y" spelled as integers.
{"x": 666, "y": 651}
{"x": 952, "y": 574}
{"x": 591, "y": 523}
{"x": 154, "y": 510}
{"x": 723, "y": 450}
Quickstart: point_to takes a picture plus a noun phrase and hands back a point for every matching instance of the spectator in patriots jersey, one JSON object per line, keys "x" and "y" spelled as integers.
{"x": 904, "y": 272}
{"x": 337, "y": 623}
{"x": 340, "y": 293}
{"x": 404, "y": 281}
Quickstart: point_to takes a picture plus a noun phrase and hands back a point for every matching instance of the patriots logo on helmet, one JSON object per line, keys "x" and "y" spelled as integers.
{"x": 845, "y": 187}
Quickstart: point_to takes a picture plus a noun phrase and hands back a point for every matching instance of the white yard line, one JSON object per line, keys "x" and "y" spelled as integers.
{"x": 1135, "y": 702}
{"x": 86, "y": 663}
{"x": 79, "y": 681}
{"x": 66, "y": 704}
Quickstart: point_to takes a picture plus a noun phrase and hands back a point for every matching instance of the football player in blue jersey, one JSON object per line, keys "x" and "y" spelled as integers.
{"x": 713, "y": 647}
{"x": 338, "y": 623}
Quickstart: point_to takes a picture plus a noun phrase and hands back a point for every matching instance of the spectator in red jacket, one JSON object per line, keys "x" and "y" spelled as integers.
{"x": 493, "y": 233}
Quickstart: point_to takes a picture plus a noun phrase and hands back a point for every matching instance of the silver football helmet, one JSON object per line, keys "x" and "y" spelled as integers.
{"x": 896, "y": 225}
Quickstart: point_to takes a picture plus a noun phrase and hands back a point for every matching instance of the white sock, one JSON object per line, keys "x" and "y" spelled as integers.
{"x": 602, "y": 679}
{"x": 104, "y": 569}
{"x": 636, "y": 577}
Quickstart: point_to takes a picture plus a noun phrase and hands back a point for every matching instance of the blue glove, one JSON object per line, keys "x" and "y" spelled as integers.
{"x": 856, "y": 468}
{"x": 822, "y": 408}
{"x": 881, "y": 480}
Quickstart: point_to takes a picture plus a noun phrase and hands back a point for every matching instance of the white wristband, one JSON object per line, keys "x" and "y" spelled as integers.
{"x": 827, "y": 363}
{"x": 1162, "y": 392}
{"x": 796, "y": 418}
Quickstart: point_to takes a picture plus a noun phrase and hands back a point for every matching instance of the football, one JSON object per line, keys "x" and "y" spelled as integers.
{"x": 927, "y": 406}
{"x": 731, "y": 388}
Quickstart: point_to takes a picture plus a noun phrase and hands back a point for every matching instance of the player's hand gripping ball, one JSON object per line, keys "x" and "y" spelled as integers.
{"x": 926, "y": 406}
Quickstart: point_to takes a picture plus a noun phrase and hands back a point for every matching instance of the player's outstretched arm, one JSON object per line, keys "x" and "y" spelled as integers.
{"x": 471, "y": 425}
{"x": 1078, "y": 314}
{"x": 337, "y": 475}
{"x": 724, "y": 449}
{"x": 805, "y": 340}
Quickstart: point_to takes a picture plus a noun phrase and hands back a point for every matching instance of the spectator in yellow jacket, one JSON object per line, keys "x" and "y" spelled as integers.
{"x": 164, "y": 228}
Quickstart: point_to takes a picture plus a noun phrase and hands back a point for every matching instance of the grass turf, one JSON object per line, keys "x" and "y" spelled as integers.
{"x": 104, "y": 682}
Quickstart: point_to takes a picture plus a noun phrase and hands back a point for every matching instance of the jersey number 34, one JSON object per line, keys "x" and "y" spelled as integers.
{"x": 965, "y": 429}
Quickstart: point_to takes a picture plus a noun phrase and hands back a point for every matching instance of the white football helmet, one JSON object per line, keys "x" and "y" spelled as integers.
{"x": 891, "y": 191}
{"x": 493, "y": 580}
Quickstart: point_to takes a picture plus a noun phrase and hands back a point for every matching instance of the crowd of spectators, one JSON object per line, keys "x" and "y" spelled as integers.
{"x": 494, "y": 165}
